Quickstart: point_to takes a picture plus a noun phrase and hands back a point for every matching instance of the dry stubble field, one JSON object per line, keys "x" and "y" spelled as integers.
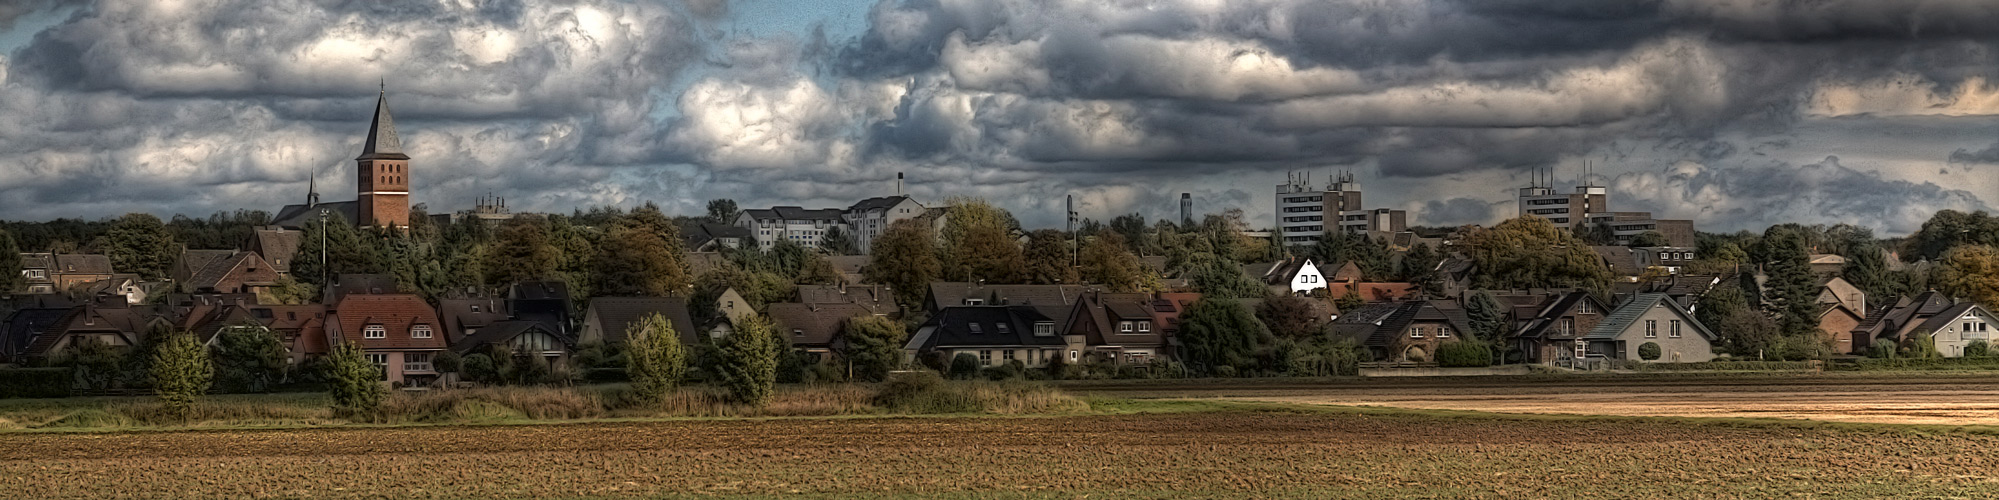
{"x": 1228, "y": 452}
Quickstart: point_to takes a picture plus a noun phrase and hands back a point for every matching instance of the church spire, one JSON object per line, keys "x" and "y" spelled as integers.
{"x": 312, "y": 187}
{"x": 382, "y": 140}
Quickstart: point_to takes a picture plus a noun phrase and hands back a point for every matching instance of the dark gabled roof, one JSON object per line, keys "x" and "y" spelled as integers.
{"x": 952, "y": 327}
{"x": 615, "y": 314}
{"x": 1891, "y": 318}
{"x": 1391, "y": 327}
{"x": 1621, "y": 260}
{"x": 247, "y": 266}
{"x": 383, "y": 143}
{"x": 24, "y": 326}
{"x": 459, "y": 315}
{"x": 348, "y": 284}
{"x": 503, "y": 331}
{"x": 1361, "y": 323}
{"x": 277, "y": 246}
{"x": 1624, "y": 317}
{"x": 1544, "y": 319}
{"x": 38, "y": 261}
{"x": 78, "y": 263}
{"x": 876, "y": 203}
{"x": 874, "y": 297}
{"x": 1053, "y": 301}
{"x": 297, "y": 216}
{"x": 795, "y": 213}
{"x": 1283, "y": 271}
{"x": 696, "y": 233}
{"x": 1945, "y": 317}
{"x": 812, "y": 324}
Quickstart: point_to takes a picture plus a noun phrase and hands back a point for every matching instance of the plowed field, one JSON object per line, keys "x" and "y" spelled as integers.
{"x": 1233, "y": 454}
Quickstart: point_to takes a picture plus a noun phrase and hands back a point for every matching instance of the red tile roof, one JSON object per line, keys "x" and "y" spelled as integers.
{"x": 395, "y": 312}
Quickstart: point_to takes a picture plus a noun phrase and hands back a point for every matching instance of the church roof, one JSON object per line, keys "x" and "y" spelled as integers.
{"x": 383, "y": 144}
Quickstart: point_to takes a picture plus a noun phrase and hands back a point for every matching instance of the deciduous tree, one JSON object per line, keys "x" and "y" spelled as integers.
{"x": 872, "y": 346}
{"x": 905, "y": 259}
{"x": 722, "y": 211}
{"x": 1107, "y": 262}
{"x": 1290, "y": 317}
{"x": 140, "y": 244}
{"x": 521, "y": 252}
{"x": 1218, "y": 332}
{"x": 249, "y": 358}
{"x": 181, "y": 372}
{"x": 1970, "y": 272}
{"x": 641, "y": 255}
{"x": 1048, "y": 258}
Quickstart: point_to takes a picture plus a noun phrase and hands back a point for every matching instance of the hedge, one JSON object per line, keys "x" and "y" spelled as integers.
{"x": 1727, "y": 366}
{"x": 1927, "y": 364}
{"x": 35, "y": 382}
{"x": 1464, "y": 354}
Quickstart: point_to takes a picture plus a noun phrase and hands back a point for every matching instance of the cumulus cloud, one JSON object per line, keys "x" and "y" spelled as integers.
{"x": 219, "y": 104}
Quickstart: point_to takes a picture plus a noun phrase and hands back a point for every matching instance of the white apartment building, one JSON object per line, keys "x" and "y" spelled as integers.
{"x": 867, "y": 219}
{"x": 807, "y": 227}
{"x": 1304, "y": 212}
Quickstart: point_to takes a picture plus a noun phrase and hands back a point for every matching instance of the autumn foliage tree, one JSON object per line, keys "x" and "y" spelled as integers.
{"x": 641, "y": 255}
{"x": 520, "y": 252}
{"x": 1047, "y": 256}
{"x": 1970, "y": 272}
{"x": 1530, "y": 252}
{"x": 1107, "y": 261}
{"x": 904, "y": 257}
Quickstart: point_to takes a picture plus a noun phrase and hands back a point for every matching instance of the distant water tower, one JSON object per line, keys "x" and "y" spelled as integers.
{"x": 1186, "y": 209}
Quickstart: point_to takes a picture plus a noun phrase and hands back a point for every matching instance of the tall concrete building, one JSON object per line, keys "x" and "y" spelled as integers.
{"x": 1305, "y": 212}
{"x": 1589, "y": 206}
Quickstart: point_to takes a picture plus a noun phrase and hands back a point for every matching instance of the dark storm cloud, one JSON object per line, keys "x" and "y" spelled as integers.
{"x": 1124, "y": 104}
{"x": 1826, "y": 192}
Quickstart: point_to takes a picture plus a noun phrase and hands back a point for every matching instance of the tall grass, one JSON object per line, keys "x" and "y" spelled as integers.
{"x": 902, "y": 394}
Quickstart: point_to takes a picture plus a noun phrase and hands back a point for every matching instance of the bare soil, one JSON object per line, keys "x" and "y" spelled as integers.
{"x": 1893, "y": 399}
{"x": 1219, "y": 454}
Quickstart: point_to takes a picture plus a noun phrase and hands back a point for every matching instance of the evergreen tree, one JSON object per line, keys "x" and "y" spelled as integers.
{"x": 1419, "y": 266}
{"x": 1487, "y": 317}
{"x": 249, "y": 358}
{"x": 1867, "y": 269}
{"x": 654, "y": 358}
{"x": 872, "y": 346}
{"x": 748, "y": 368}
{"x": 1790, "y": 289}
{"x": 355, "y": 383}
{"x": 140, "y": 244}
{"x": 1217, "y": 332}
{"x": 346, "y": 251}
{"x": 10, "y": 264}
{"x": 180, "y": 372}
{"x": 839, "y": 242}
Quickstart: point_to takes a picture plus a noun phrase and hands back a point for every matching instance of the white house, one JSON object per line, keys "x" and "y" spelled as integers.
{"x": 870, "y": 217}
{"x": 797, "y": 225}
{"x": 1297, "y": 276}
{"x": 1957, "y": 327}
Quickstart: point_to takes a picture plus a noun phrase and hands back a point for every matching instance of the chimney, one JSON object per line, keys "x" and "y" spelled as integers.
{"x": 898, "y": 183}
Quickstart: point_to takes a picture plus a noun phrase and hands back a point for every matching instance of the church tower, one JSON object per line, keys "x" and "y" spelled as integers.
{"x": 383, "y": 193}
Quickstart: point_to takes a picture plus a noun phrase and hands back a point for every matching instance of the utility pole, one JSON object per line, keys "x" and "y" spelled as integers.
{"x": 322, "y": 247}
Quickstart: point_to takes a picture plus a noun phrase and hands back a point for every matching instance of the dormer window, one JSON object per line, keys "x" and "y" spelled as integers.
{"x": 973, "y": 327}
{"x": 1124, "y": 327}
{"x": 975, "y": 302}
{"x": 1145, "y": 327}
{"x": 1001, "y": 328}
{"x": 1044, "y": 329}
{"x": 797, "y": 332}
{"x": 475, "y": 308}
{"x": 1583, "y": 308}
{"x": 420, "y": 331}
{"x": 374, "y": 332}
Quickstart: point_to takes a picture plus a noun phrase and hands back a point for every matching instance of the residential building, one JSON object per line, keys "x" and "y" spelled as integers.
{"x": 1650, "y": 318}
{"x": 1955, "y": 328}
{"x": 1827, "y": 264}
{"x": 26, "y": 325}
{"x": 544, "y": 301}
{"x": 1124, "y": 328}
{"x": 1054, "y": 301}
{"x": 1549, "y": 333}
{"x": 607, "y": 319}
{"x": 797, "y": 225}
{"x": 38, "y": 273}
{"x": 876, "y": 298}
{"x": 698, "y": 236}
{"x": 1892, "y": 322}
{"x": 1294, "y": 276}
{"x": 867, "y": 219}
{"x": 398, "y": 332}
{"x": 1403, "y": 331}
{"x": 994, "y": 334}
{"x": 1837, "y": 322}
{"x": 523, "y": 339}
{"x": 242, "y": 272}
{"x": 811, "y": 327}
{"x": 106, "y": 319}
{"x": 1673, "y": 260}
{"x": 277, "y": 246}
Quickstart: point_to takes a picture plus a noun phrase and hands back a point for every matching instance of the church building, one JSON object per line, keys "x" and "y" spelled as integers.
{"x": 382, "y": 184}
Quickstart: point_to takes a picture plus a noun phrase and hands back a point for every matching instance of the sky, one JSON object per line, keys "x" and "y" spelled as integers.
{"x": 1737, "y": 114}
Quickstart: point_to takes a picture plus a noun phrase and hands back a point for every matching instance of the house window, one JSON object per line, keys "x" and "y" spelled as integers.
{"x": 1145, "y": 327}
{"x": 1075, "y": 355}
{"x": 1007, "y": 355}
{"x": 1675, "y": 331}
{"x": 475, "y": 308}
{"x": 374, "y": 332}
{"x": 1582, "y": 348}
{"x": 974, "y": 327}
{"x": 1444, "y": 332}
{"x": 1124, "y": 327}
{"x": 420, "y": 331}
{"x": 1567, "y": 326}
{"x": 1583, "y": 308}
{"x": 1651, "y": 329}
{"x": 1002, "y": 328}
{"x": 381, "y": 362}
{"x": 416, "y": 362}
{"x": 985, "y": 357}
{"x": 1044, "y": 329}
{"x": 1416, "y": 332}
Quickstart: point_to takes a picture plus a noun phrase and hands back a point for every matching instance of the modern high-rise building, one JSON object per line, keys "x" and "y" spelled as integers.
{"x": 1304, "y": 212}
{"x": 1589, "y": 206}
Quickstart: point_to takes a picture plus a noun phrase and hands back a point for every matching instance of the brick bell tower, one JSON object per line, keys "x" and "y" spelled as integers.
{"x": 383, "y": 191}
